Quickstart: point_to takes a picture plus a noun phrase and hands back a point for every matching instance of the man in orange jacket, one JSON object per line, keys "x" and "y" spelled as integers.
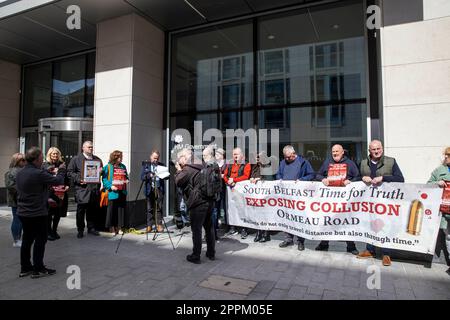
{"x": 238, "y": 171}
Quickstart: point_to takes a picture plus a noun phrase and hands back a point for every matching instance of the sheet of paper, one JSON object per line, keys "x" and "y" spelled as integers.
{"x": 162, "y": 172}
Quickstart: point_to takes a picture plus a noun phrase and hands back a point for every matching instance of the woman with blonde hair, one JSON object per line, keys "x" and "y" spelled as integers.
{"x": 57, "y": 196}
{"x": 441, "y": 177}
{"x": 17, "y": 163}
{"x": 115, "y": 180}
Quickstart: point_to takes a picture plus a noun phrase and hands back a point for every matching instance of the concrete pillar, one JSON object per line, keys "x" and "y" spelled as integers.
{"x": 129, "y": 86}
{"x": 416, "y": 90}
{"x": 9, "y": 117}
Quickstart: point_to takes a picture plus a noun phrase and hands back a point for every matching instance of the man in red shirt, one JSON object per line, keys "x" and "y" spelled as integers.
{"x": 238, "y": 171}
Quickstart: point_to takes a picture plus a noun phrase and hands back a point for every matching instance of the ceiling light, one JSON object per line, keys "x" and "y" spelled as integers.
{"x": 270, "y": 37}
{"x": 215, "y": 46}
{"x": 336, "y": 26}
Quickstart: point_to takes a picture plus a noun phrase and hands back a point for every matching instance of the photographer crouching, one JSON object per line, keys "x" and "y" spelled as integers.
{"x": 32, "y": 208}
{"x": 188, "y": 178}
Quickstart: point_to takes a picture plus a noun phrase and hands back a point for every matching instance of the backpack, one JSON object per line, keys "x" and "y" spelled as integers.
{"x": 210, "y": 181}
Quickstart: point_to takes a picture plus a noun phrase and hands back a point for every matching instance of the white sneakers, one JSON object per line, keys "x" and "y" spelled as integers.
{"x": 17, "y": 243}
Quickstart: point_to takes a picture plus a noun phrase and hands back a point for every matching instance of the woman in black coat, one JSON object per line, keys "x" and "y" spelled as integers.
{"x": 57, "y": 198}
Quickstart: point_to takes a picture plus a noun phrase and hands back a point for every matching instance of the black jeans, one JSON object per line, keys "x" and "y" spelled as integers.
{"x": 115, "y": 212}
{"x": 350, "y": 244}
{"x": 34, "y": 231}
{"x": 86, "y": 210}
{"x": 201, "y": 216}
{"x": 151, "y": 205}
{"x": 54, "y": 216}
{"x": 442, "y": 245}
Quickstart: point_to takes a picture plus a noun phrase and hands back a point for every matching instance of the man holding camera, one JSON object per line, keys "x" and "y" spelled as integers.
{"x": 154, "y": 191}
{"x": 32, "y": 188}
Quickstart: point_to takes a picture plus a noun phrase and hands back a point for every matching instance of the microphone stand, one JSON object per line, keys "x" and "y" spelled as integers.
{"x": 155, "y": 208}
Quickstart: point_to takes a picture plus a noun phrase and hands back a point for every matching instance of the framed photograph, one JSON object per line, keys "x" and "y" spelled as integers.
{"x": 91, "y": 170}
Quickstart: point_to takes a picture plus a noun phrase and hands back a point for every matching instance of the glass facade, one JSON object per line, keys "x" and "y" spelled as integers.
{"x": 309, "y": 79}
{"x": 60, "y": 88}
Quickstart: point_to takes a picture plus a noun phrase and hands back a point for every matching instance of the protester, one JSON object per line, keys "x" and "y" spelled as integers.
{"x": 58, "y": 199}
{"x": 115, "y": 180}
{"x": 17, "y": 163}
{"x": 154, "y": 195}
{"x": 350, "y": 173}
{"x": 294, "y": 167}
{"x": 209, "y": 158}
{"x": 87, "y": 195}
{"x": 32, "y": 189}
{"x": 200, "y": 209}
{"x": 221, "y": 203}
{"x": 375, "y": 170}
{"x": 261, "y": 161}
{"x": 236, "y": 172}
{"x": 441, "y": 177}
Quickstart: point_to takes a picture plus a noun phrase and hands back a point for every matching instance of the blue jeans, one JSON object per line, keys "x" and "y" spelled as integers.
{"x": 384, "y": 251}
{"x": 16, "y": 225}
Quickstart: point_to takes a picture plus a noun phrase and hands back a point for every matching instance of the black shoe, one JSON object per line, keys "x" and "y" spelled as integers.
{"x": 42, "y": 273}
{"x": 265, "y": 239}
{"x": 448, "y": 271}
{"x": 192, "y": 259}
{"x": 353, "y": 251}
{"x": 94, "y": 232}
{"x": 56, "y": 236}
{"x": 321, "y": 247}
{"x": 301, "y": 246}
{"x": 50, "y": 237}
{"x": 285, "y": 244}
{"x": 25, "y": 273}
{"x": 211, "y": 257}
{"x": 244, "y": 234}
{"x": 258, "y": 237}
{"x": 80, "y": 234}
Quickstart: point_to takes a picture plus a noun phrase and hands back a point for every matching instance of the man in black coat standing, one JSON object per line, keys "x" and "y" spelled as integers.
{"x": 338, "y": 171}
{"x": 87, "y": 195}
{"x": 200, "y": 209}
{"x": 32, "y": 189}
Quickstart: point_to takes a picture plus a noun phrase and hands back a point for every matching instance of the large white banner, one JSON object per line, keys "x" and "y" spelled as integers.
{"x": 393, "y": 215}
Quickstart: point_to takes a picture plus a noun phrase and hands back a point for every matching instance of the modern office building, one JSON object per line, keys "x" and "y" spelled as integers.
{"x": 136, "y": 70}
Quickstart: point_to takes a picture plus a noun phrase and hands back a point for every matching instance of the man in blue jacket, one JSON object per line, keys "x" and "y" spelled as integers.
{"x": 294, "y": 167}
{"x": 154, "y": 197}
{"x": 351, "y": 174}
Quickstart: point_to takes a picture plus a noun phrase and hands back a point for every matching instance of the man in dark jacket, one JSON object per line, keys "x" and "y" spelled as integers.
{"x": 155, "y": 197}
{"x": 375, "y": 170}
{"x": 87, "y": 195}
{"x": 200, "y": 209}
{"x": 294, "y": 167}
{"x": 32, "y": 189}
{"x": 350, "y": 173}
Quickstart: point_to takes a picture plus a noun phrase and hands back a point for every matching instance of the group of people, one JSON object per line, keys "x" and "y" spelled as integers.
{"x": 374, "y": 170}
{"x": 37, "y": 194}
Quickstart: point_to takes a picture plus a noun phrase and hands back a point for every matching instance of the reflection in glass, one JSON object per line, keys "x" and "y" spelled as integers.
{"x": 37, "y": 93}
{"x": 69, "y": 87}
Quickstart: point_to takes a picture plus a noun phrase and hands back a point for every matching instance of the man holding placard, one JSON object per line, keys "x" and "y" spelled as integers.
{"x": 338, "y": 171}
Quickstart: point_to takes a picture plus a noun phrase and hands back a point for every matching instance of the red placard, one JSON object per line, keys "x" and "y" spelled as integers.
{"x": 119, "y": 178}
{"x": 337, "y": 174}
{"x": 445, "y": 206}
{"x": 59, "y": 191}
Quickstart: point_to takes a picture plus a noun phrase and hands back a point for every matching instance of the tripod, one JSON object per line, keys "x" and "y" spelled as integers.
{"x": 134, "y": 205}
{"x": 155, "y": 210}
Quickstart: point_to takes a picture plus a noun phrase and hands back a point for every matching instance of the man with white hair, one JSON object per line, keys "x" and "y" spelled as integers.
{"x": 375, "y": 170}
{"x": 87, "y": 195}
{"x": 294, "y": 167}
{"x": 236, "y": 172}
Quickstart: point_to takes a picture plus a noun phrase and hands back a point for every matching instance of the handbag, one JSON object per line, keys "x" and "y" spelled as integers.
{"x": 104, "y": 193}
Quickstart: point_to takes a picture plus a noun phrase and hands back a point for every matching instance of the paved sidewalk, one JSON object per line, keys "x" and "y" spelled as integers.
{"x": 153, "y": 270}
